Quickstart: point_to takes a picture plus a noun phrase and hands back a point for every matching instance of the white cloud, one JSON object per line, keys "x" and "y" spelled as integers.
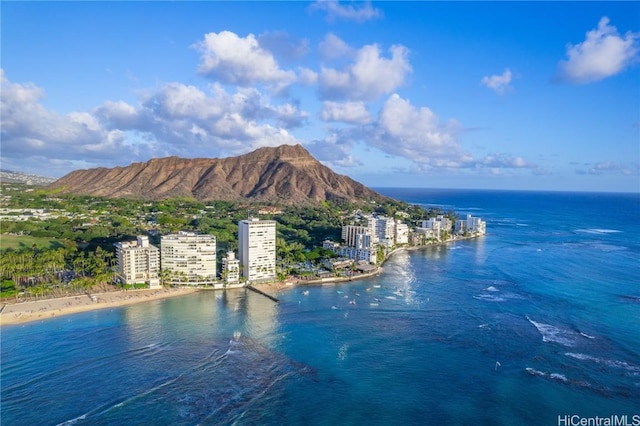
{"x": 31, "y": 130}
{"x": 241, "y": 61}
{"x": 602, "y": 54}
{"x": 333, "y": 151}
{"x": 501, "y": 160}
{"x": 403, "y": 130}
{"x": 368, "y": 77}
{"x": 224, "y": 123}
{"x": 175, "y": 119}
{"x": 333, "y": 47}
{"x": 417, "y": 134}
{"x": 307, "y": 77}
{"x": 347, "y": 112}
{"x": 498, "y": 83}
{"x": 335, "y": 11}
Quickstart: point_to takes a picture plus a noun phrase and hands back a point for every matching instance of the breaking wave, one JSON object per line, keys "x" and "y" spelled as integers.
{"x": 555, "y": 334}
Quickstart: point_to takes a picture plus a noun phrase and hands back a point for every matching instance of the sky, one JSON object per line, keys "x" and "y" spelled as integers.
{"x": 487, "y": 95}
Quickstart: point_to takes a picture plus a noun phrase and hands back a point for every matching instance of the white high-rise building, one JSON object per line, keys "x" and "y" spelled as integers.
{"x": 257, "y": 249}
{"x": 189, "y": 258}
{"x": 360, "y": 237}
{"x": 231, "y": 269}
{"x": 384, "y": 230}
{"x": 402, "y": 233}
{"x": 138, "y": 262}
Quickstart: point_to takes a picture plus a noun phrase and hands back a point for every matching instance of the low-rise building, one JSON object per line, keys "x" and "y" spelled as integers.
{"x": 334, "y": 264}
{"x": 367, "y": 255}
{"x": 231, "y": 269}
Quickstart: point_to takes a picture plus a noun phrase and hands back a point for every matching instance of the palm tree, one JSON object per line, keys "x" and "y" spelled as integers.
{"x": 165, "y": 277}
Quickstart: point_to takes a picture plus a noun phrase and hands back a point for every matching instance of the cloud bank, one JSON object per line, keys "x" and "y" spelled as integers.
{"x": 246, "y": 103}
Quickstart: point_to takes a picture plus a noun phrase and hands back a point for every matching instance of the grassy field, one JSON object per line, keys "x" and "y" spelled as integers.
{"x": 18, "y": 242}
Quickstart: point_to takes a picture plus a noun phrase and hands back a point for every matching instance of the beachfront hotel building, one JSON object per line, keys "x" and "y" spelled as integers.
{"x": 257, "y": 249}
{"x": 231, "y": 269}
{"x": 189, "y": 258}
{"x": 138, "y": 262}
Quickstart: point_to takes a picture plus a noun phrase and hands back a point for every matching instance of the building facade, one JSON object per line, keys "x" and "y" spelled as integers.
{"x": 357, "y": 236}
{"x": 384, "y": 230}
{"x": 138, "y": 262}
{"x": 472, "y": 225}
{"x": 189, "y": 258}
{"x": 257, "y": 249}
{"x": 367, "y": 255}
{"x": 231, "y": 269}
{"x": 402, "y": 233}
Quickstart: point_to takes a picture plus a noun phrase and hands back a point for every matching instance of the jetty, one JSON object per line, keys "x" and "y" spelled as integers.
{"x": 252, "y": 288}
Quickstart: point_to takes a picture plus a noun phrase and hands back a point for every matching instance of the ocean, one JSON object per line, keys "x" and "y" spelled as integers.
{"x": 535, "y": 323}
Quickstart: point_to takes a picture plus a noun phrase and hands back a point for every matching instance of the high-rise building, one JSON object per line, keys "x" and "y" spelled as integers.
{"x": 384, "y": 229}
{"x": 231, "y": 269}
{"x": 138, "y": 262}
{"x": 257, "y": 249}
{"x": 360, "y": 237}
{"x": 189, "y": 258}
{"x": 402, "y": 233}
{"x": 471, "y": 224}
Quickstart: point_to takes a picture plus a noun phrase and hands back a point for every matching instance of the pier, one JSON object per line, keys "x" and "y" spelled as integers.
{"x": 252, "y": 288}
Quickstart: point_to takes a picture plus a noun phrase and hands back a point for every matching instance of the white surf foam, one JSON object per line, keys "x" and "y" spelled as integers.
{"x": 557, "y": 377}
{"x": 598, "y": 231}
{"x": 603, "y": 361}
{"x": 491, "y": 288}
{"x": 554, "y": 334}
{"x": 587, "y": 335}
{"x": 489, "y": 298}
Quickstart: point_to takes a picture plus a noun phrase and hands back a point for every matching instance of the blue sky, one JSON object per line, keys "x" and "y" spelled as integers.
{"x": 495, "y": 95}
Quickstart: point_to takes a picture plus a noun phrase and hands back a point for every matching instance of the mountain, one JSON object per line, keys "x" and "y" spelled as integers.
{"x": 287, "y": 174}
{"x": 8, "y": 176}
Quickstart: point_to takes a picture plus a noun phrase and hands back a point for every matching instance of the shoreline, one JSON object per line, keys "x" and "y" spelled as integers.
{"x": 23, "y": 312}
{"x": 277, "y": 287}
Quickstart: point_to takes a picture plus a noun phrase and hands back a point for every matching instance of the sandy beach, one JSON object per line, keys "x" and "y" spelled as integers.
{"x": 16, "y": 313}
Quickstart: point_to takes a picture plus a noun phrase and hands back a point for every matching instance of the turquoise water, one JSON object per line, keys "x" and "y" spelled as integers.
{"x": 539, "y": 319}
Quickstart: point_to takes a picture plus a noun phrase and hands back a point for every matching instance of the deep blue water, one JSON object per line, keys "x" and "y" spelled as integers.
{"x": 539, "y": 319}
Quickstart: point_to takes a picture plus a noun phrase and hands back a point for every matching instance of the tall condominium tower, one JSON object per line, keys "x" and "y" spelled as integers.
{"x": 189, "y": 258}
{"x": 257, "y": 251}
{"x": 138, "y": 262}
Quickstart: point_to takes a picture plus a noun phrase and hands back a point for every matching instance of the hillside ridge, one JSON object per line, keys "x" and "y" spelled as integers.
{"x": 287, "y": 174}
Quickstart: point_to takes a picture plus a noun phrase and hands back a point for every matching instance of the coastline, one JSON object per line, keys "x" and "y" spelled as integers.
{"x": 19, "y": 313}
{"x": 286, "y": 285}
